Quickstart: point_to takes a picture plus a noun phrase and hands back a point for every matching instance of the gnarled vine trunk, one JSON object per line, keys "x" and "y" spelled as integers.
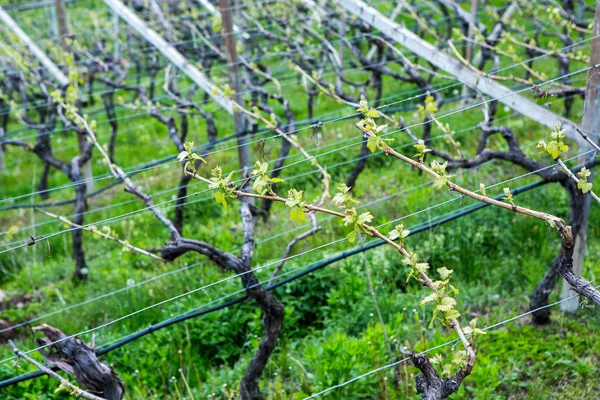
{"x": 541, "y": 294}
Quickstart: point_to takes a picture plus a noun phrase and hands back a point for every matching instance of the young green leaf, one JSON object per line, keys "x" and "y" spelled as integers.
{"x": 583, "y": 183}
{"x": 421, "y": 150}
{"x": 342, "y": 199}
{"x": 429, "y": 298}
{"x": 352, "y": 236}
{"x": 556, "y": 146}
{"x": 295, "y": 202}
{"x": 442, "y": 179}
{"x": 364, "y": 218}
{"x": 372, "y": 113}
{"x": 399, "y": 233}
{"x": 220, "y": 199}
{"x": 508, "y": 196}
{"x": 223, "y": 186}
{"x": 297, "y": 214}
{"x": 446, "y": 304}
{"x": 444, "y": 272}
{"x": 364, "y": 106}
{"x": 373, "y": 143}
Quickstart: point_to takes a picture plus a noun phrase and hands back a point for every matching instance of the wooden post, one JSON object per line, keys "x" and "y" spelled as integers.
{"x": 235, "y": 83}
{"x": 463, "y": 14}
{"x": 590, "y": 124}
{"x": 63, "y": 28}
{"x": 63, "y": 24}
{"x": 213, "y": 11}
{"x": 485, "y": 85}
{"x": 52, "y": 69}
{"x": 170, "y": 53}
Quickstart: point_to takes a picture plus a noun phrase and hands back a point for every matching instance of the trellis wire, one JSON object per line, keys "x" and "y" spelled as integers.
{"x": 437, "y": 347}
{"x": 286, "y": 166}
{"x": 345, "y": 147}
{"x": 237, "y": 171}
{"x": 202, "y": 288}
{"x": 129, "y": 338}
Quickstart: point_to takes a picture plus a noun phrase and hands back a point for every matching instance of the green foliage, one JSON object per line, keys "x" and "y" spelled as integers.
{"x": 421, "y": 150}
{"x": 224, "y": 188}
{"x": 440, "y": 169}
{"x": 342, "y": 199}
{"x": 334, "y": 345}
{"x": 12, "y": 230}
{"x": 416, "y": 268}
{"x": 583, "y": 183}
{"x": 472, "y": 329}
{"x": 191, "y": 157}
{"x": 443, "y": 299}
{"x": 295, "y": 202}
{"x": 330, "y": 344}
{"x": 374, "y": 140}
{"x": 508, "y": 197}
{"x": 358, "y": 222}
{"x": 262, "y": 181}
{"x": 459, "y": 360}
{"x": 369, "y": 113}
{"x": 430, "y": 108}
{"x": 556, "y": 146}
{"x": 217, "y": 23}
{"x": 399, "y": 233}
{"x": 228, "y": 91}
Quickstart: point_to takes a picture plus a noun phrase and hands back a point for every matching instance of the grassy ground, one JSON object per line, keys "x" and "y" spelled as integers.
{"x": 331, "y": 331}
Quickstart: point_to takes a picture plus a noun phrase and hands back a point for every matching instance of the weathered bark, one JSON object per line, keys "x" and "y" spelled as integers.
{"x": 272, "y": 310}
{"x": 81, "y": 269}
{"x": 43, "y": 140}
{"x": 109, "y": 107}
{"x": 184, "y": 127}
{"x": 180, "y": 203}
{"x": 541, "y": 294}
{"x": 43, "y": 185}
{"x": 578, "y": 284}
{"x": 272, "y": 320}
{"x": 431, "y": 385}
{"x": 77, "y": 359}
{"x": 72, "y": 169}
